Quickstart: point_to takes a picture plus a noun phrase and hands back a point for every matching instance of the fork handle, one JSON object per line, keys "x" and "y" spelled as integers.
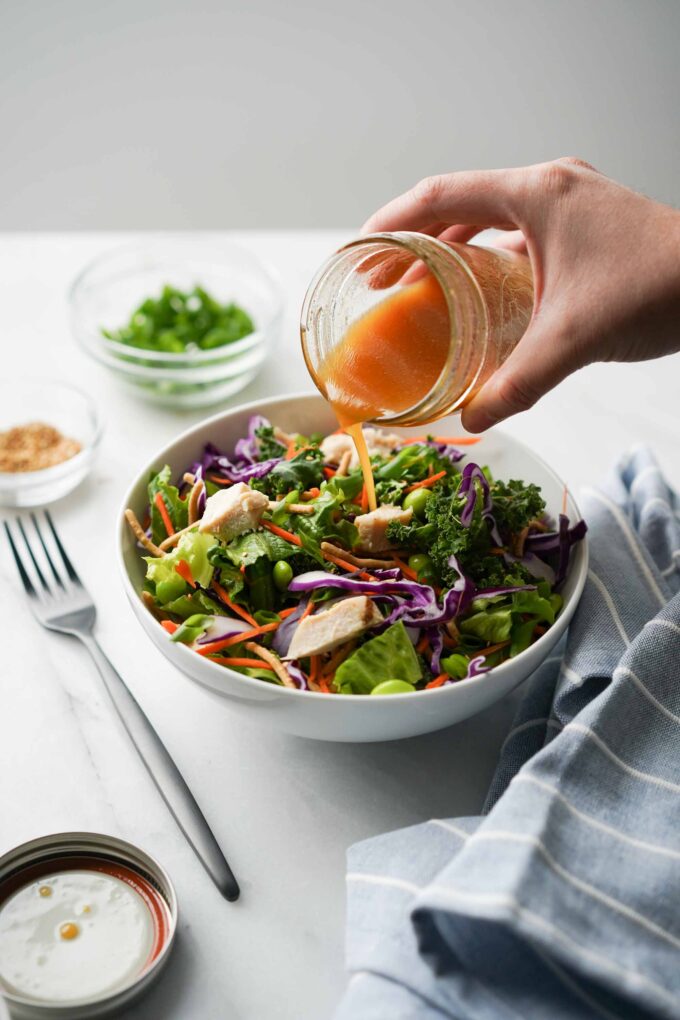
{"x": 165, "y": 774}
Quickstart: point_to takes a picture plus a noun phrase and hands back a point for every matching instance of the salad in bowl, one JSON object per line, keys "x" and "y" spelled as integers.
{"x": 263, "y": 559}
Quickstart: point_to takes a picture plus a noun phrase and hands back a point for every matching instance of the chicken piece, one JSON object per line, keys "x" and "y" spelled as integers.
{"x": 336, "y": 446}
{"x": 232, "y": 511}
{"x": 378, "y": 442}
{"x": 329, "y": 628}
{"x": 372, "y": 527}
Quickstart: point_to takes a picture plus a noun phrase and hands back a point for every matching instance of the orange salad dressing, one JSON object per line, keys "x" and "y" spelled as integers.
{"x": 387, "y": 361}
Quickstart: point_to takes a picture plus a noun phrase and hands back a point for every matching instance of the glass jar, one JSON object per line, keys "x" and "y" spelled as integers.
{"x": 489, "y": 300}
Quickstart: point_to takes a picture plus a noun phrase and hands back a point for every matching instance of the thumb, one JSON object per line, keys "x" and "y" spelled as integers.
{"x": 541, "y": 360}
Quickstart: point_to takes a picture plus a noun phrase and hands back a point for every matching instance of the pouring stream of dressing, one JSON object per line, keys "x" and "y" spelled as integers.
{"x": 387, "y": 361}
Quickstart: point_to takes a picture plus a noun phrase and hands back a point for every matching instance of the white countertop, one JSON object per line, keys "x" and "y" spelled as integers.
{"x": 283, "y": 809}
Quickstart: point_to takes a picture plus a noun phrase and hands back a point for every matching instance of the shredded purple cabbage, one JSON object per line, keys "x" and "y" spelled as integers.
{"x": 298, "y": 676}
{"x": 476, "y": 667}
{"x": 436, "y": 640}
{"x": 247, "y": 450}
{"x": 560, "y": 542}
{"x": 222, "y": 627}
{"x": 473, "y": 473}
{"x": 445, "y": 450}
{"x": 537, "y": 567}
{"x": 214, "y": 460}
{"x": 283, "y": 635}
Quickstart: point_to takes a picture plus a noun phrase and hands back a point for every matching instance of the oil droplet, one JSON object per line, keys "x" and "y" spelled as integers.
{"x": 45, "y": 890}
{"x": 86, "y": 909}
{"x": 69, "y": 930}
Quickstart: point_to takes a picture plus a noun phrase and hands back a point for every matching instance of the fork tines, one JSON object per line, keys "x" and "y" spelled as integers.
{"x": 46, "y": 556}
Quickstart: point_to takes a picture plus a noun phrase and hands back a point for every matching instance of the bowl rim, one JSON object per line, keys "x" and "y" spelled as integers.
{"x": 18, "y": 479}
{"x": 251, "y": 682}
{"x": 108, "y": 351}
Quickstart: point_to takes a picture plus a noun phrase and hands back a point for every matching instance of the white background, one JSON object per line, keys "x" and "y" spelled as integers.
{"x": 266, "y": 113}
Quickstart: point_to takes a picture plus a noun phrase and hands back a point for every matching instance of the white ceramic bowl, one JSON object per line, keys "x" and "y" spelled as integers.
{"x": 347, "y": 717}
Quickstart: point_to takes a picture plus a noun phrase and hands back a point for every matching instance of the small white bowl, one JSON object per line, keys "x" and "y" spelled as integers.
{"x": 109, "y": 289}
{"x": 348, "y": 717}
{"x": 66, "y": 408}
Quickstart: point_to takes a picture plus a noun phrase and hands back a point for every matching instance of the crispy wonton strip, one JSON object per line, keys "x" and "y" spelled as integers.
{"x": 276, "y": 664}
{"x": 140, "y": 535}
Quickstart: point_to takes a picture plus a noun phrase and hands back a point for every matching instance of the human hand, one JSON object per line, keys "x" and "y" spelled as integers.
{"x": 606, "y": 265}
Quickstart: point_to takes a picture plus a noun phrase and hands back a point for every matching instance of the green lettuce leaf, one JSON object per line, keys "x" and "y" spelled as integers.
{"x": 177, "y": 508}
{"x": 165, "y": 582}
{"x": 490, "y": 626}
{"x": 197, "y": 601}
{"x": 389, "y": 656}
{"x": 193, "y": 627}
{"x": 246, "y": 549}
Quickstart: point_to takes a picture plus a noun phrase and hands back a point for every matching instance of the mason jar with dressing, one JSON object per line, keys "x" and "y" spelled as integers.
{"x": 402, "y": 328}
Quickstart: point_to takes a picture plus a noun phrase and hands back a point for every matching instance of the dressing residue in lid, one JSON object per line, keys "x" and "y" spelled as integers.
{"x": 81, "y": 930}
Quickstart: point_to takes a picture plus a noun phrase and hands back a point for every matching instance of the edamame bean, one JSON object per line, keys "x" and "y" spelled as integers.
{"x": 393, "y": 687}
{"x": 417, "y": 500}
{"x": 282, "y": 574}
{"x": 421, "y": 563}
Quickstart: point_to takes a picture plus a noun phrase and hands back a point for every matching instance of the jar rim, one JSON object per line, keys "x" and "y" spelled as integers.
{"x": 431, "y": 251}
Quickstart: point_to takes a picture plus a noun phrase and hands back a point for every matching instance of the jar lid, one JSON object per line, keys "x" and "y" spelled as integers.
{"x": 87, "y": 922}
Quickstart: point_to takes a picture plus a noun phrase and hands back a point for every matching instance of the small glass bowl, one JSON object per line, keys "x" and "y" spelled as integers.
{"x": 114, "y": 284}
{"x": 67, "y": 409}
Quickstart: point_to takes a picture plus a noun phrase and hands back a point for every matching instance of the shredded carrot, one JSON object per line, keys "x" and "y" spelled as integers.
{"x": 405, "y": 569}
{"x": 314, "y": 661}
{"x": 236, "y": 639}
{"x": 224, "y": 596}
{"x": 539, "y": 631}
{"x": 308, "y": 609}
{"x": 290, "y": 537}
{"x": 427, "y": 482}
{"x": 219, "y": 480}
{"x": 281, "y": 532}
{"x": 449, "y": 642}
{"x": 497, "y": 552}
{"x": 453, "y": 440}
{"x": 169, "y": 625}
{"x": 329, "y": 472}
{"x": 251, "y": 663}
{"x": 493, "y": 648}
{"x": 163, "y": 511}
{"x": 423, "y": 644}
{"x": 293, "y": 451}
{"x": 364, "y": 500}
{"x": 184, "y": 571}
{"x": 438, "y": 681}
{"x": 323, "y": 684}
{"x": 349, "y": 567}
{"x": 287, "y": 612}
{"x": 312, "y": 493}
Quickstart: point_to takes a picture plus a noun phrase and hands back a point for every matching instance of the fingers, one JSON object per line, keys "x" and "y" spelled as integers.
{"x": 483, "y": 197}
{"x": 458, "y": 234}
{"x": 397, "y": 266}
{"x": 541, "y": 360}
{"x": 514, "y": 240}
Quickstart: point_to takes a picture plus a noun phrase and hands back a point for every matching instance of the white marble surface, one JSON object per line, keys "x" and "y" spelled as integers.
{"x": 283, "y": 809}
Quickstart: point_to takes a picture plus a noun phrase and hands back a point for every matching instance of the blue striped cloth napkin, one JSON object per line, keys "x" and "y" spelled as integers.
{"x": 563, "y": 900}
